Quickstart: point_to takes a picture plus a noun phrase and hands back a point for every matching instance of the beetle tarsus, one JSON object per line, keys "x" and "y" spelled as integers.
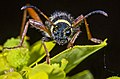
{"x": 95, "y": 40}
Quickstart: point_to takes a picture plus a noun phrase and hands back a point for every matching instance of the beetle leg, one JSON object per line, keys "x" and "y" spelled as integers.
{"x": 35, "y": 24}
{"x": 78, "y": 20}
{"x": 95, "y": 40}
{"x": 70, "y": 44}
{"x": 46, "y": 50}
{"x": 24, "y": 33}
{"x": 23, "y": 22}
{"x": 32, "y": 14}
{"x": 22, "y": 38}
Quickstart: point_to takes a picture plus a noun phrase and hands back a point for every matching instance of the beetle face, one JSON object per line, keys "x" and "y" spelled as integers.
{"x": 61, "y": 33}
{"x": 62, "y": 30}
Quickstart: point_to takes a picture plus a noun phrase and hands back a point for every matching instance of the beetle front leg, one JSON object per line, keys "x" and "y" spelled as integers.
{"x": 23, "y": 22}
{"x": 24, "y": 34}
{"x": 70, "y": 44}
{"x": 33, "y": 23}
{"x": 95, "y": 40}
{"x": 22, "y": 38}
{"x": 46, "y": 50}
{"x": 36, "y": 24}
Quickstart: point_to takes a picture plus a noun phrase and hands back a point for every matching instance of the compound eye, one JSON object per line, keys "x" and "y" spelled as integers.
{"x": 68, "y": 32}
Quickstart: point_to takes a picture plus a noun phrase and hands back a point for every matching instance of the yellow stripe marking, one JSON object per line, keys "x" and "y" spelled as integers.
{"x": 62, "y": 20}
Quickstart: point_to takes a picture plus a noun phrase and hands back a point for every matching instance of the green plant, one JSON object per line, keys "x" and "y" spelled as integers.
{"x": 114, "y": 77}
{"x": 23, "y": 62}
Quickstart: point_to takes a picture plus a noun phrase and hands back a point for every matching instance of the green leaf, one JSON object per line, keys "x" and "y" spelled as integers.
{"x": 3, "y": 64}
{"x": 64, "y": 63}
{"x": 76, "y": 54}
{"x": 49, "y": 71}
{"x": 39, "y": 75}
{"x": 114, "y": 77}
{"x": 57, "y": 73}
{"x": 17, "y": 57}
{"x": 82, "y": 75}
{"x": 11, "y": 75}
{"x": 38, "y": 51}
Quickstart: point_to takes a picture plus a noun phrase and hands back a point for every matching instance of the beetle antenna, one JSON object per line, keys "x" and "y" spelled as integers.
{"x": 97, "y": 11}
{"x": 30, "y": 6}
{"x": 80, "y": 18}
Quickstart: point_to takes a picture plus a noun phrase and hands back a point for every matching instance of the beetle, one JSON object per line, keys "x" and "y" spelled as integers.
{"x": 60, "y": 27}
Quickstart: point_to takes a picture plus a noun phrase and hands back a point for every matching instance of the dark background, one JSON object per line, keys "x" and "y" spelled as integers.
{"x": 100, "y": 26}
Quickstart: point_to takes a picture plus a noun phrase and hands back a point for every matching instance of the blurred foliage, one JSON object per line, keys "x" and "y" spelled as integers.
{"x": 23, "y": 62}
{"x": 114, "y": 77}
